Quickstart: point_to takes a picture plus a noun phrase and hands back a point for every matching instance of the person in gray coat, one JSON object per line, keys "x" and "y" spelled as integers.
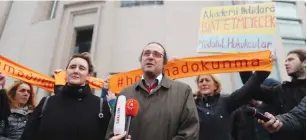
{"x": 167, "y": 110}
{"x": 294, "y": 119}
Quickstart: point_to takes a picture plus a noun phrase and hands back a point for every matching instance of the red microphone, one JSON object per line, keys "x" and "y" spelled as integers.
{"x": 132, "y": 108}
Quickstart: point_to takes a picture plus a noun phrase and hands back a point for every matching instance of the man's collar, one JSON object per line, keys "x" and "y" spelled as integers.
{"x": 298, "y": 81}
{"x": 164, "y": 82}
{"x": 159, "y": 78}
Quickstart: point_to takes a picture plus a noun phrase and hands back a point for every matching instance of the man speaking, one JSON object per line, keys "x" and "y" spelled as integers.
{"x": 167, "y": 110}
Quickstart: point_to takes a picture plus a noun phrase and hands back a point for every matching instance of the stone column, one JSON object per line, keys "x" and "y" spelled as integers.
{"x": 5, "y": 7}
{"x": 42, "y": 11}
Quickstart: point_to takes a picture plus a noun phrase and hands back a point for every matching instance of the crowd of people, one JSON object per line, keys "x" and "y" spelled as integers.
{"x": 167, "y": 108}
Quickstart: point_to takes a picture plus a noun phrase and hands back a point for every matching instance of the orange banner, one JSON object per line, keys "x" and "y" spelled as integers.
{"x": 20, "y": 72}
{"x": 194, "y": 66}
{"x": 93, "y": 82}
{"x": 23, "y": 73}
{"x": 175, "y": 69}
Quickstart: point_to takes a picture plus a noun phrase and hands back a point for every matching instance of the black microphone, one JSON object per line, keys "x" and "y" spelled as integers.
{"x": 253, "y": 112}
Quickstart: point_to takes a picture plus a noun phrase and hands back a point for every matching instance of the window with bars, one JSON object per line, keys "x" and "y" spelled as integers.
{"x": 83, "y": 39}
{"x": 134, "y": 3}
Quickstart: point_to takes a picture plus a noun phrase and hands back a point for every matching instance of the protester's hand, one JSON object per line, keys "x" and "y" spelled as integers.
{"x": 273, "y": 59}
{"x": 106, "y": 82}
{"x": 174, "y": 58}
{"x": 57, "y": 70}
{"x": 120, "y": 137}
{"x": 110, "y": 95}
{"x": 272, "y": 125}
{"x": 2, "y": 80}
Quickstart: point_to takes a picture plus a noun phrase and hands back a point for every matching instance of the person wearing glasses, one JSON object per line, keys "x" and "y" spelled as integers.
{"x": 167, "y": 110}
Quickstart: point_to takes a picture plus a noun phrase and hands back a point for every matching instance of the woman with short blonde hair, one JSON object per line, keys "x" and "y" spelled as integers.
{"x": 74, "y": 113}
{"x": 214, "y": 109}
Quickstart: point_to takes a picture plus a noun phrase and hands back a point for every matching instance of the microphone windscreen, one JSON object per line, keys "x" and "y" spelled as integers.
{"x": 132, "y": 107}
{"x": 251, "y": 111}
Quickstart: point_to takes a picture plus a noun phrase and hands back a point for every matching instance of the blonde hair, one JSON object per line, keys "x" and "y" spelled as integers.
{"x": 11, "y": 93}
{"x": 216, "y": 82}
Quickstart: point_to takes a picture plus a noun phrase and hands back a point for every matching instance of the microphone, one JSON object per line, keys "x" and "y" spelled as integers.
{"x": 253, "y": 112}
{"x": 120, "y": 115}
{"x": 132, "y": 108}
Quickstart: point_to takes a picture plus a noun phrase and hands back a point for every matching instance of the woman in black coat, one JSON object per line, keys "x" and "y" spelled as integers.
{"x": 214, "y": 110}
{"x": 73, "y": 114}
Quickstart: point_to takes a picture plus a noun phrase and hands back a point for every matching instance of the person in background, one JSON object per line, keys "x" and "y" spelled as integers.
{"x": 57, "y": 88}
{"x": 284, "y": 97}
{"x": 4, "y": 101}
{"x": 269, "y": 82}
{"x": 215, "y": 110}
{"x": 19, "y": 104}
{"x": 108, "y": 95}
{"x": 246, "y": 127}
{"x": 295, "y": 119}
{"x": 73, "y": 114}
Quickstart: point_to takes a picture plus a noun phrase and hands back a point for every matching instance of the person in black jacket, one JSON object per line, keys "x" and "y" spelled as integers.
{"x": 4, "y": 101}
{"x": 284, "y": 97}
{"x": 245, "y": 126}
{"x": 295, "y": 119}
{"x": 73, "y": 114}
{"x": 17, "y": 103}
{"x": 214, "y": 110}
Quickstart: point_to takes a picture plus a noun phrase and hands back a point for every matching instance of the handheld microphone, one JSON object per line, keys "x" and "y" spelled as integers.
{"x": 253, "y": 112}
{"x": 120, "y": 115}
{"x": 132, "y": 108}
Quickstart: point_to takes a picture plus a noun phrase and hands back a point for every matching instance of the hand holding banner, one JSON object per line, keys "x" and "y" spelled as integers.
{"x": 20, "y": 72}
{"x": 193, "y": 66}
{"x": 179, "y": 68}
{"x": 60, "y": 75}
{"x": 237, "y": 28}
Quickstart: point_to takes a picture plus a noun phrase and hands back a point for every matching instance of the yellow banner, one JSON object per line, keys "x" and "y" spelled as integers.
{"x": 238, "y": 19}
{"x": 194, "y": 66}
{"x": 20, "y": 72}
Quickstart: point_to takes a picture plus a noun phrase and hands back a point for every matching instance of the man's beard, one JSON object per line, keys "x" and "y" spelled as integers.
{"x": 150, "y": 74}
{"x": 298, "y": 73}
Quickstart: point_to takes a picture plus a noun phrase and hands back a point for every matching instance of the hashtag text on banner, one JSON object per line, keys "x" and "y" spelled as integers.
{"x": 185, "y": 67}
{"x": 194, "y": 66}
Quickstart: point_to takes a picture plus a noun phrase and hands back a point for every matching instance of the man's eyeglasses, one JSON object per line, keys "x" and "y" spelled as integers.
{"x": 154, "y": 53}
